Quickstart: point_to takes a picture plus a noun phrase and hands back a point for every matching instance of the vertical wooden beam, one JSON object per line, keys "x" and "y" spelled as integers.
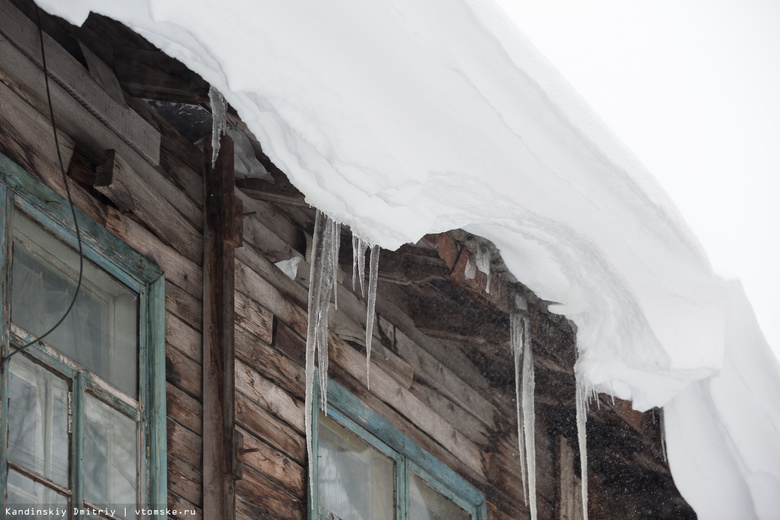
{"x": 568, "y": 499}
{"x": 218, "y": 355}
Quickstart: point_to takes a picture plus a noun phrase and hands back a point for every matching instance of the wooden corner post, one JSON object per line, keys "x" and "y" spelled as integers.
{"x": 221, "y": 210}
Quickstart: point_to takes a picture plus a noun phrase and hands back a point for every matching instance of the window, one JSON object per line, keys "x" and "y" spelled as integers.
{"x": 367, "y": 469}
{"x": 83, "y": 412}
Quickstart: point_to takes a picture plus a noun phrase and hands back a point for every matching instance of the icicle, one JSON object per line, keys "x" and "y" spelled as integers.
{"x": 528, "y": 415}
{"x": 483, "y": 264}
{"x": 335, "y": 243}
{"x": 471, "y": 268}
{"x": 322, "y": 276}
{"x": 516, "y": 342}
{"x": 582, "y": 417}
{"x": 361, "y": 264}
{"x": 218, "y": 114}
{"x": 355, "y": 242}
{"x": 373, "y": 277}
{"x": 663, "y": 435}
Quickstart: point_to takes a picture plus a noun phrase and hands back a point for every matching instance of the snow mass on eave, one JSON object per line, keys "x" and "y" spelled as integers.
{"x": 400, "y": 118}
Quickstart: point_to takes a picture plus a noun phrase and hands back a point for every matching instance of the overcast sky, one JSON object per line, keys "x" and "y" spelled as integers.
{"x": 693, "y": 88}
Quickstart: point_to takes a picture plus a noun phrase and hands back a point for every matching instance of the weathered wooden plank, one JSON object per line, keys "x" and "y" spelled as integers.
{"x": 247, "y": 511}
{"x": 25, "y": 78}
{"x": 269, "y": 396}
{"x": 178, "y": 269}
{"x": 183, "y": 507}
{"x": 435, "y": 373}
{"x": 184, "y": 305}
{"x": 103, "y": 74}
{"x": 290, "y": 343}
{"x": 382, "y": 384}
{"x": 274, "y": 465}
{"x": 180, "y": 335}
{"x": 463, "y": 420}
{"x": 69, "y": 73}
{"x": 184, "y": 444}
{"x": 184, "y": 408}
{"x": 119, "y": 181}
{"x": 184, "y": 480}
{"x": 254, "y": 318}
{"x": 274, "y": 220}
{"x": 254, "y": 418}
{"x": 494, "y": 513}
{"x": 270, "y": 362}
{"x": 569, "y": 494}
{"x": 270, "y": 497}
{"x": 26, "y": 137}
{"x": 219, "y": 458}
{"x": 182, "y": 372}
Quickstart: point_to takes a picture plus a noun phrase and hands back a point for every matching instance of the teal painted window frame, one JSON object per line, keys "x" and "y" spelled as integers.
{"x": 351, "y": 413}
{"x": 21, "y": 190}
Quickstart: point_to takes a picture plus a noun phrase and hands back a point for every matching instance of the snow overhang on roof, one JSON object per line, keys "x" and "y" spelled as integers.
{"x": 406, "y": 118}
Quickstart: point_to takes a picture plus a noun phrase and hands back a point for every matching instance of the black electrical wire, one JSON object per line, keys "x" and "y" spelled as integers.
{"x": 70, "y": 200}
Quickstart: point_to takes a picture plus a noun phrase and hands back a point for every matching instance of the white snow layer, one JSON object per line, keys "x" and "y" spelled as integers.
{"x": 400, "y": 118}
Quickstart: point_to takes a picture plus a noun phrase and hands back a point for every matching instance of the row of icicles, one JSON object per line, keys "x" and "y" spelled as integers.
{"x": 323, "y": 287}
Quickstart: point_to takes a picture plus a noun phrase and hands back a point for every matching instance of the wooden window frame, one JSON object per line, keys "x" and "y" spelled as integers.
{"x": 21, "y": 191}
{"x": 351, "y": 413}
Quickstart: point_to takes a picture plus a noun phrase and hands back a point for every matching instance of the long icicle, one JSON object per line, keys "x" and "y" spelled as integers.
{"x": 582, "y": 417}
{"x": 361, "y": 265}
{"x": 516, "y": 341}
{"x": 373, "y": 277}
{"x": 335, "y": 244}
{"x": 312, "y": 332}
{"x": 218, "y": 115}
{"x": 355, "y": 242}
{"x": 529, "y": 422}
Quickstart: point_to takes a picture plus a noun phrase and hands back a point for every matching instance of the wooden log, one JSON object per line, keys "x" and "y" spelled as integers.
{"x": 463, "y": 420}
{"x": 253, "y": 317}
{"x": 289, "y": 342}
{"x": 69, "y": 73}
{"x": 184, "y": 444}
{"x": 182, "y": 505}
{"x": 103, "y": 74}
{"x": 271, "y": 498}
{"x": 182, "y": 372}
{"x": 383, "y": 385}
{"x": 183, "y": 408}
{"x": 247, "y": 511}
{"x": 184, "y": 480}
{"x": 270, "y": 362}
{"x": 118, "y": 181}
{"x": 274, "y": 465}
{"x": 25, "y": 78}
{"x": 252, "y": 417}
{"x": 220, "y": 467}
{"x": 180, "y": 335}
{"x": 271, "y": 397}
{"x": 184, "y": 305}
{"x": 27, "y": 138}
{"x": 178, "y": 269}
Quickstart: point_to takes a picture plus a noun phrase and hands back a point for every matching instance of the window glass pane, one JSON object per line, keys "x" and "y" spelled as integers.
{"x": 110, "y": 456}
{"x": 426, "y": 503}
{"x": 24, "y": 493}
{"x": 101, "y": 332}
{"x": 38, "y": 420}
{"x": 356, "y": 482}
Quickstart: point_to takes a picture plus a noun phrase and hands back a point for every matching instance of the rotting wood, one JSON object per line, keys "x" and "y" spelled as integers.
{"x": 274, "y": 465}
{"x": 270, "y": 396}
{"x": 26, "y": 137}
{"x": 184, "y": 480}
{"x": 182, "y": 372}
{"x": 184, "y": 444}
{"x": 185, "y": 409}
{"x": 184, "y": 305}
{"x": 179, "y": 270}
{"x": 118, "y": 181}
{"x": 69, "y": 73}
{"x": 25, "y": 78}
{"x": 182, "y": 336}
{"x": 219, "y": 456}
{"x": 269, "y": 496}
{"x": 256, "y": 419}
{"x": 270, "y": 363}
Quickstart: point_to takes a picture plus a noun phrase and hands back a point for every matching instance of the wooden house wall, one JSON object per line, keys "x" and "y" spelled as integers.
{"x": 150, "y": 196}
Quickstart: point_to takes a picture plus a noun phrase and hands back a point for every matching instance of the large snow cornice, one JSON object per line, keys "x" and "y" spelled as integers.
{"x": 406, "y": 117}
